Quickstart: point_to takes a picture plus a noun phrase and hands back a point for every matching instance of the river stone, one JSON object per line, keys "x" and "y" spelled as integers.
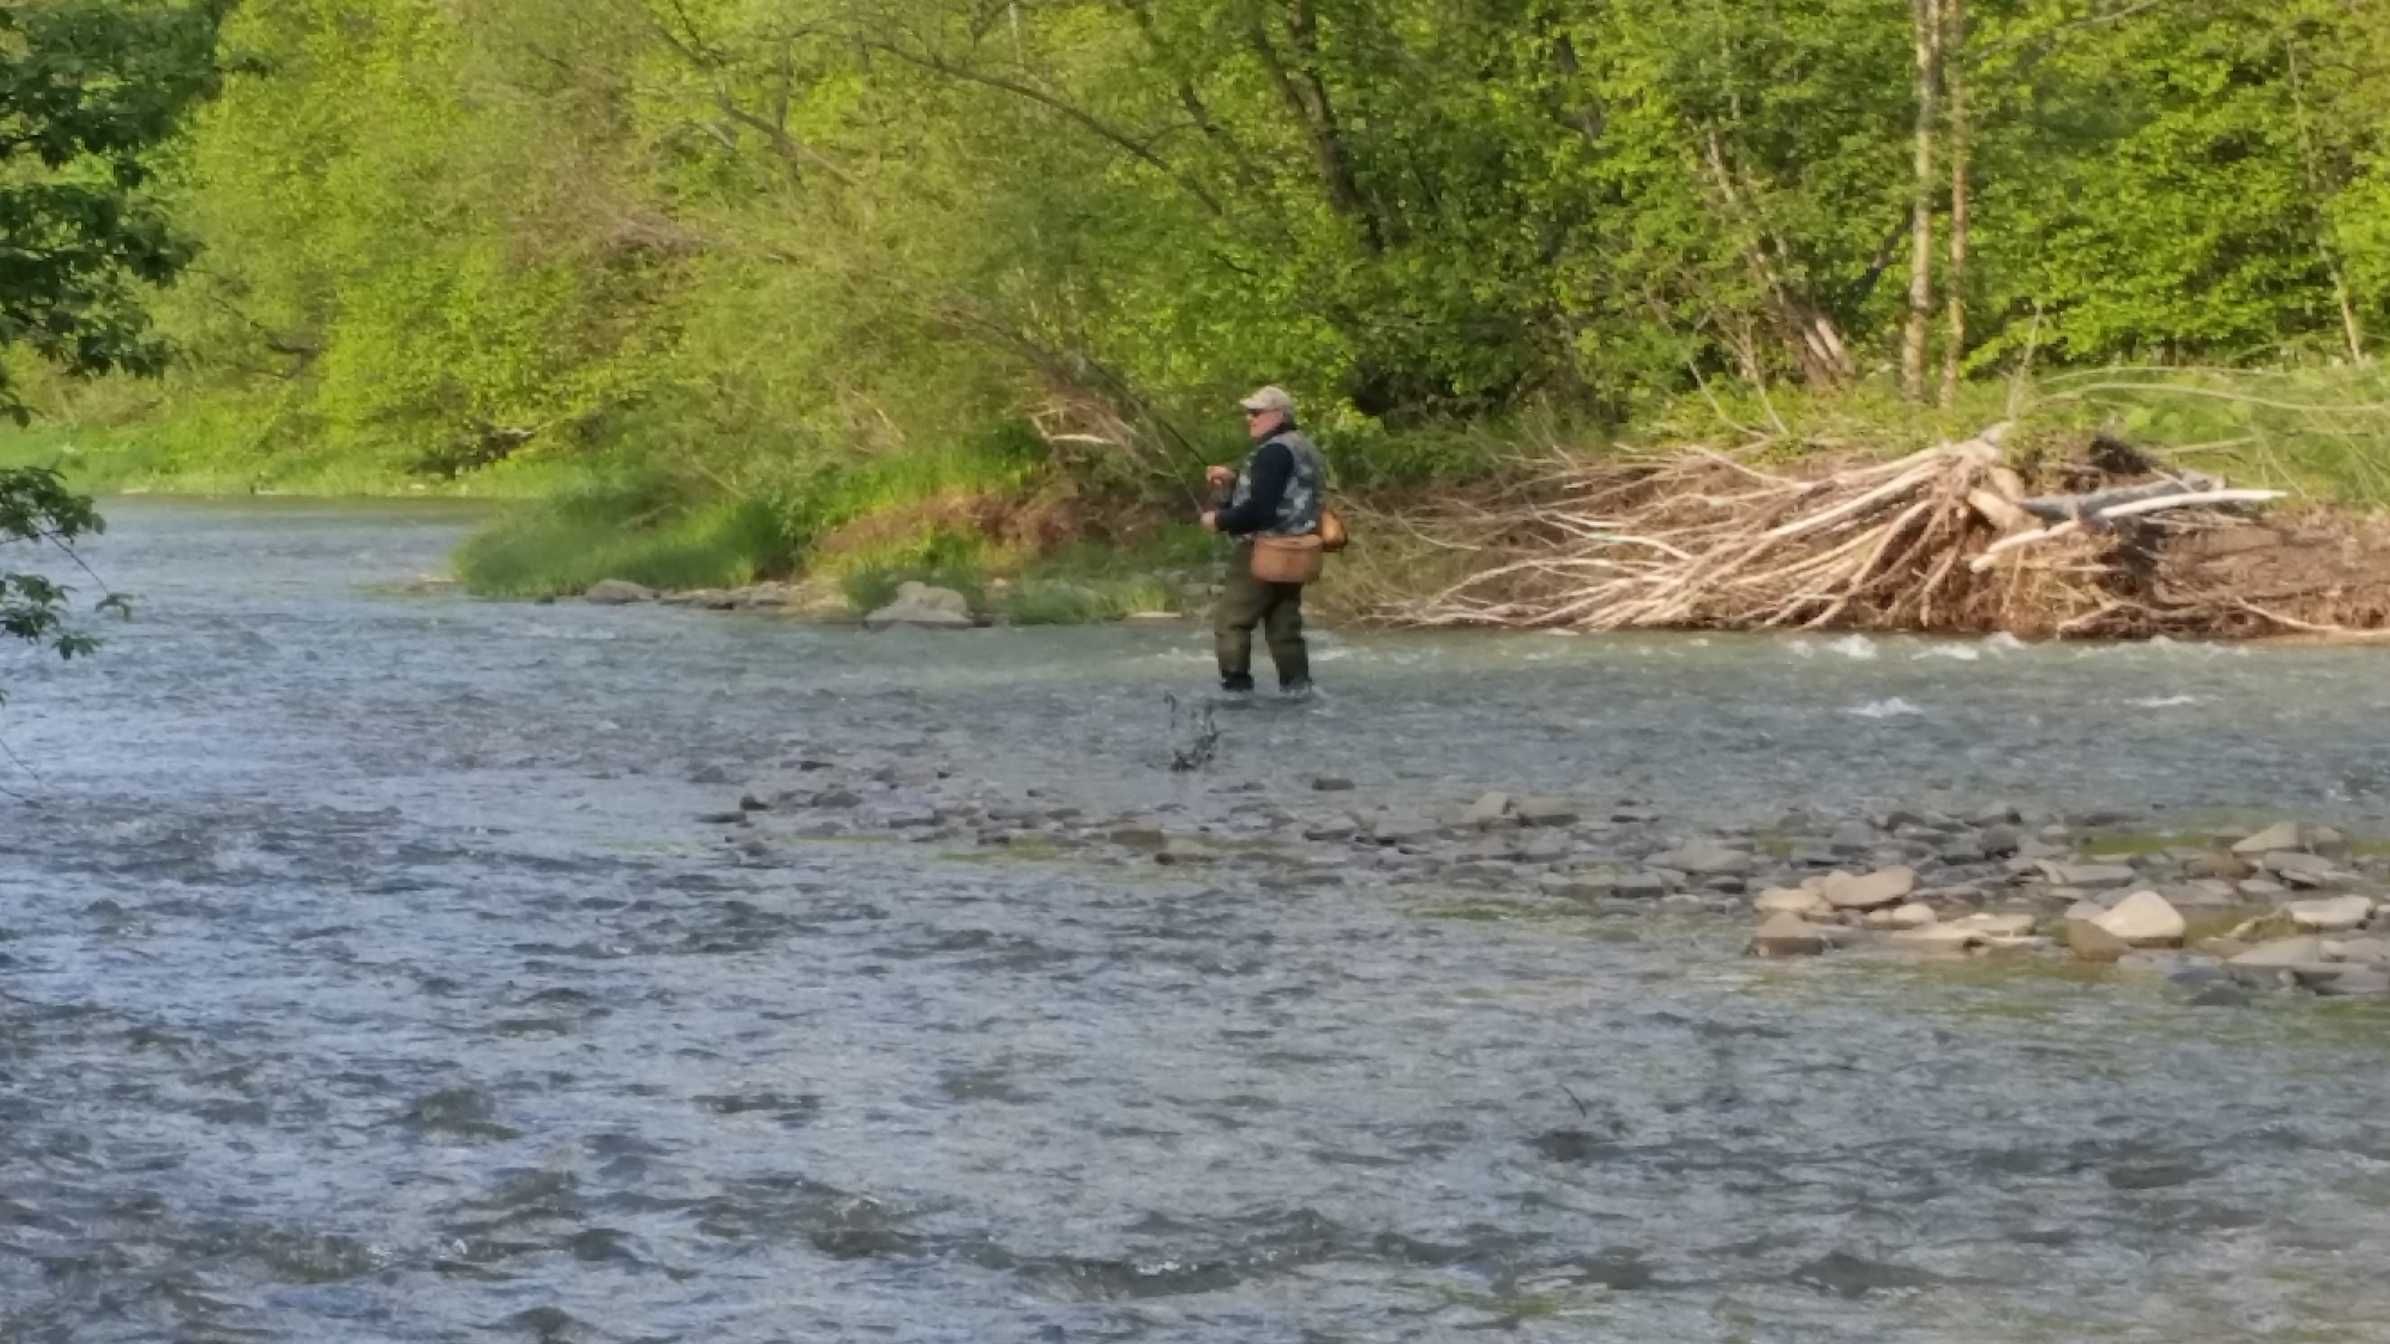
{"x": 2267, "y": 961}
{"x": 921, "y": 606}
{"x": 2090, "y": 942}
{"x": 1885, "y": 886}
{"x": 1937, "y": 938}
{"x": 1705, "y": 857}
{"x": 2357, "y": 949}
{"x": 617, "y": 592}
{"x": 2298, "y": 869}
{"x": 2000, "y": 840}
{"x": 1851, "y": 838}
{"x": 2220, "y": 863}
{"x": 1577, "y": 886}
{"x": 1399, "y": 830}
{"x": 2337, "y": 915}
{"x": 1996, "y": 924}
{"x": 2090, "y": 876}
{"x": 1548, "y": 847}
{"x": 1134, "y": 835}
{"x": 2280, "y": 835}
{"x": 2144, "y": 919}
{"x": 1914, "y": 915}
{"x": 1489, "y": 809}
{"x": 1786, "y": 935}
{"x": 1790, "y": 901}
{"x": 1331, "y": 783}
{"x": 2263, "y": 889}
{"x": 1641, "y": 886}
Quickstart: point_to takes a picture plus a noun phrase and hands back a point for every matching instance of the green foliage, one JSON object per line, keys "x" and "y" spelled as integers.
{"x": 36, "y": 509}
{"x": 87, "y": 91}
{"x": 88, "y": 88}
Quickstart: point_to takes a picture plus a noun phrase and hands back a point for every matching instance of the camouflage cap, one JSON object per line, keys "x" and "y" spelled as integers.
{"x": 1271, "y": 398}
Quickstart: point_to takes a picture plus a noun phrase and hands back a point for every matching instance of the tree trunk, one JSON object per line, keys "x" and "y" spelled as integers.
{"x": 1808, "y": 330}
{"x": 1954, "y": 67}
{"x": 1924, "y": 17}
{"x": 2351, "y": 331}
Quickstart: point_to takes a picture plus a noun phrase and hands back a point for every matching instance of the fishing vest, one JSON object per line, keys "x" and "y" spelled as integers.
{"x": 1298, "y": 508}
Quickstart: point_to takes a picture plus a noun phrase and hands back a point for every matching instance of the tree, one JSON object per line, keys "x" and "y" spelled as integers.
{"x": 88, "y": 90}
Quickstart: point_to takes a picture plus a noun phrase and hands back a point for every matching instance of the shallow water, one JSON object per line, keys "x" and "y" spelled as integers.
{"x": 365, "y": 975}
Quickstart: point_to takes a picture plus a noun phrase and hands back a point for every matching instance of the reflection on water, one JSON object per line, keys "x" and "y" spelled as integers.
{"x": 364, "y": 975}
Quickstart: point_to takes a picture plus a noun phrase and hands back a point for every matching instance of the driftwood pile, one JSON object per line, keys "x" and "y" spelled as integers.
{"x": 1946, "y": 540}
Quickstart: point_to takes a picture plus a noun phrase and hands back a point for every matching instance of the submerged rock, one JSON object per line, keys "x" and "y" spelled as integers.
{"x": 2087, "y": 940}
{"x": 2277, "y": 961}
{"x": 617, "y": 592}
{"x": 1545, "y": 811}
{"x": 1786, "y": 935}
{"x": 2369, "y": 982}
{"x": 1705, "y": 857}
{"x": 1490, "y": 809}
{"x": 920, "y": 606}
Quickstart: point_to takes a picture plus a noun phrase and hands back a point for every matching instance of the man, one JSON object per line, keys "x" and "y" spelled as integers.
{"x": 1277, "y": 493}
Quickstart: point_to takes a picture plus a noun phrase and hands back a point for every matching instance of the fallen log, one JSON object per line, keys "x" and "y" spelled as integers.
{"x": 2059, "y": 508}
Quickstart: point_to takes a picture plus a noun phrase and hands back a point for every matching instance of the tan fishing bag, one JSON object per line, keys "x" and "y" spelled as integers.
{"x": 1288, "y": 559}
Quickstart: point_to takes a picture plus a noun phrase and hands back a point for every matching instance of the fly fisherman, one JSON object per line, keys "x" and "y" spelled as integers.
{"x": 1277, "y": 493}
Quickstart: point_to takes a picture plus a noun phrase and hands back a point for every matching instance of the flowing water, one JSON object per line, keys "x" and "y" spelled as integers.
{"x": 365, "y": 974}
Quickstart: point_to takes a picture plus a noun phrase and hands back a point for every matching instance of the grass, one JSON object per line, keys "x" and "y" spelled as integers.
{"x": 1081, "y": 583}
{"x": 2321, "y": 431}
{"x": 568, "y": 543}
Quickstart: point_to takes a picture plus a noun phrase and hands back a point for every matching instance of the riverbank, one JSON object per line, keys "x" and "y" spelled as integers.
{"x": 1492, "y": 525}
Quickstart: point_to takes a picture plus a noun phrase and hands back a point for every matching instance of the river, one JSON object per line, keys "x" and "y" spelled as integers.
{"x": 366, "y": 974}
